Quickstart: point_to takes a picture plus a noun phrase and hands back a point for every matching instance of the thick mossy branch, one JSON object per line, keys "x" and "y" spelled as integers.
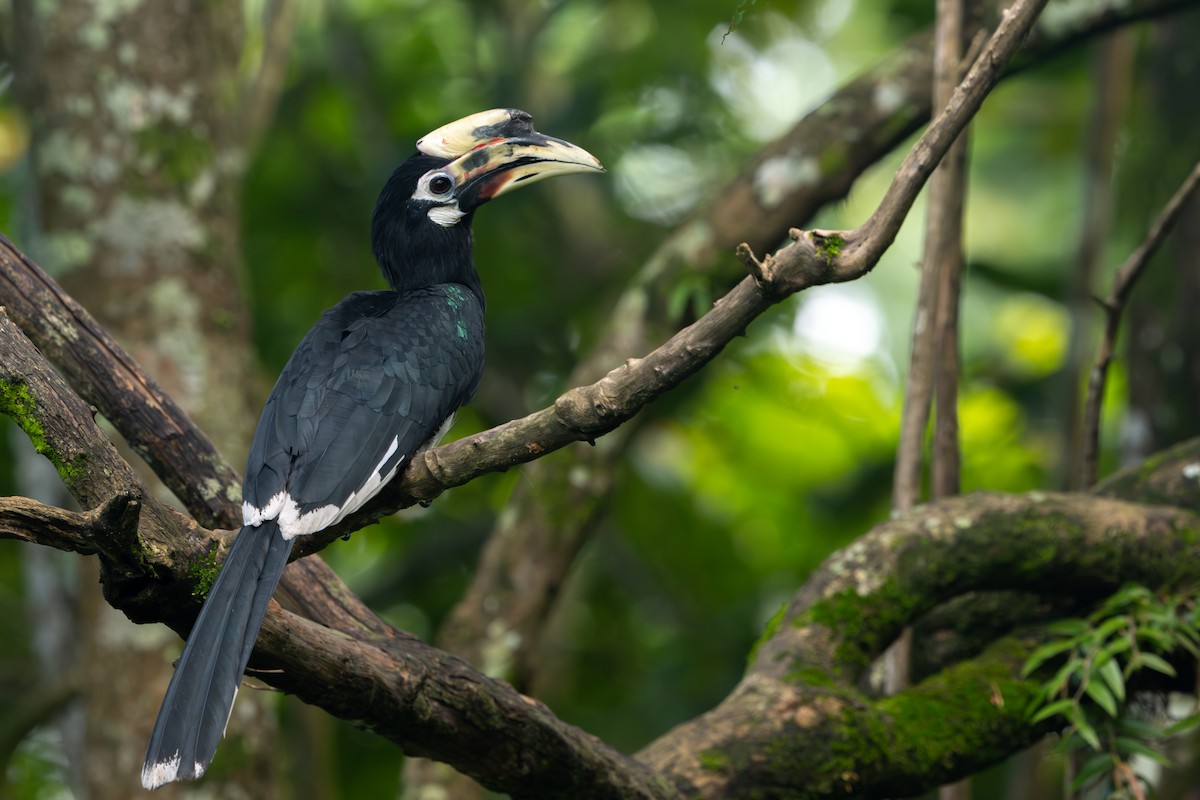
{"x": 801, "y": 709}
{"x": 964, "y": 719}
{"x": 846, "y": 743}
{"x": 860, "y": 599}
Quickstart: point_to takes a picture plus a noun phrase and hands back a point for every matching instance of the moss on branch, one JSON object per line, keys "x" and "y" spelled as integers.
{"x": 19, "y": 404}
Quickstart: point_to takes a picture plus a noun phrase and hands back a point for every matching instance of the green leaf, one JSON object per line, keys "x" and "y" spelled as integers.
{"x": 1083, "y": 727}
{"x": 1092, "y": 768}
{"x": 1071, "y": 742}
{"x": 1183, "y": 725}
{"x": 1110, "y": 672}
{"x": 1140, "y": 728}
{"x": 1188, "y": 632}
{"x": 1113, "y": 649}
{"x": 1101, "y": 696}
{"x": 1188, "y": 645}
{"x": 1064, "y": 674}
{"x": 1067, "y": 627}
{"x": 1160, "y": 638}
{"x": 1043, "y": 654}
{"x": 1062, "y": 707}
{"x": 1128, "y": 594}
{"x": 1129, "y": 746}
{"x": 1110, "y": 626}
{"x": 1157, "y": 663}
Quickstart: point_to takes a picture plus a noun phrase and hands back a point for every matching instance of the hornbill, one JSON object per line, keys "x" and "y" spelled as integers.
{"x": 376, "y": 380}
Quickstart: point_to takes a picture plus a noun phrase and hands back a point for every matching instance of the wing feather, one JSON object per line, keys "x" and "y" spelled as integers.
{"x": 377, "y": 368}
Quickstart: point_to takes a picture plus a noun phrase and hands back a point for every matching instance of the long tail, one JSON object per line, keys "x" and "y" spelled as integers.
{"x": 198, "y": 702}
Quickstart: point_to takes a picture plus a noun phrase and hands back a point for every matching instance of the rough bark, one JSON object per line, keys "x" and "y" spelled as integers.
{"x": 139, "y": 146}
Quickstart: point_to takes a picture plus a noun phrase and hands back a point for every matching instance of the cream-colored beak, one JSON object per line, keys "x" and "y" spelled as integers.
{"x": 497, "y": 150}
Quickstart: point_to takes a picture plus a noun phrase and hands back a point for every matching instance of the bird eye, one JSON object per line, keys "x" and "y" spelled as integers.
{"x": 440, "y": 184}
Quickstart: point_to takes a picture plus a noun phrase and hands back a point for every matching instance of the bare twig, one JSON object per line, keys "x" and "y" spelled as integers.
{"x": 933, "y": 359}
{"x": 944, "y": 256}
{"x": 1111, "y": 69}
{"x": 1123, "y": 283}
{"x": 271, "y": 47}
{"x": 859, "y": 250}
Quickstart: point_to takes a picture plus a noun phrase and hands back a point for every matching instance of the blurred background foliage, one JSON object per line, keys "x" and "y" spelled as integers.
{"x": 745, "y": 479}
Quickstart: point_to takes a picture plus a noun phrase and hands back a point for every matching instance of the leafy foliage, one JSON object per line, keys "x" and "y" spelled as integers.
{"x": 1131, "y": 634}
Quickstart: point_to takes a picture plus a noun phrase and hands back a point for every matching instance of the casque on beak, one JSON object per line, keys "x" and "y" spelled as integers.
{"x": 497, "y": 150}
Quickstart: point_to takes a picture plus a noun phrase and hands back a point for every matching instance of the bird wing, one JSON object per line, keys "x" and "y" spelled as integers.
{"x": 371, "y": 383}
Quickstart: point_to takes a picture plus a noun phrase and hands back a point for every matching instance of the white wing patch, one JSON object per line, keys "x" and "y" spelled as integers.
{"x": 161, "y": 772}
{"x": 292, "y": 523}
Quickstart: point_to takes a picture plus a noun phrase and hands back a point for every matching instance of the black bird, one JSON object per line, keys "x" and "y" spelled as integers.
{"x": 377, "y": 379}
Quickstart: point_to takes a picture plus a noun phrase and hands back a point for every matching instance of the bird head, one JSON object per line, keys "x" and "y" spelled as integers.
{"x": 421, "y": 229}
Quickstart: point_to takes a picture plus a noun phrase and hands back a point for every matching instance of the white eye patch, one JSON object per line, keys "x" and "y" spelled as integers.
{"x": 438, "y": 187}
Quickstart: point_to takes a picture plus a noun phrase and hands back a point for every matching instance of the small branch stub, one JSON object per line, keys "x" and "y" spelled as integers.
{"x": 755, "y": 267}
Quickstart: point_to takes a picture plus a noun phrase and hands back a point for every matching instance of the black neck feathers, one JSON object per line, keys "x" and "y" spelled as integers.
{"x": 412, "y": 250}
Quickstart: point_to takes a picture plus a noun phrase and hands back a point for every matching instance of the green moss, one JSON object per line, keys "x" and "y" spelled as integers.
{"x": 974, "y": 710}
{"x": 18, "y": 403}
{"x": 203, "y": 573}
{"x": 863, "y": 625}
{"x": 180, "y": 154}
{"x": 714, "y": 761}
{"x": 772, "y": 626}
{"x": 830, "y": 248}
{"x": 813, "y": 677}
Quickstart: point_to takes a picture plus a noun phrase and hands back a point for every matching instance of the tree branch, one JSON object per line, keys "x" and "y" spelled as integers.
{"x": 106, "y": 376}
{"x": 1126, "y": 277}
{"x": 933, "y": 321}
{"x": 30, "y": 521}
{"x": 865, "y": 244}
{"x": 58, "y": 423}
{"x": 944, "y": 252}
{"x": 861, "y": 122}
